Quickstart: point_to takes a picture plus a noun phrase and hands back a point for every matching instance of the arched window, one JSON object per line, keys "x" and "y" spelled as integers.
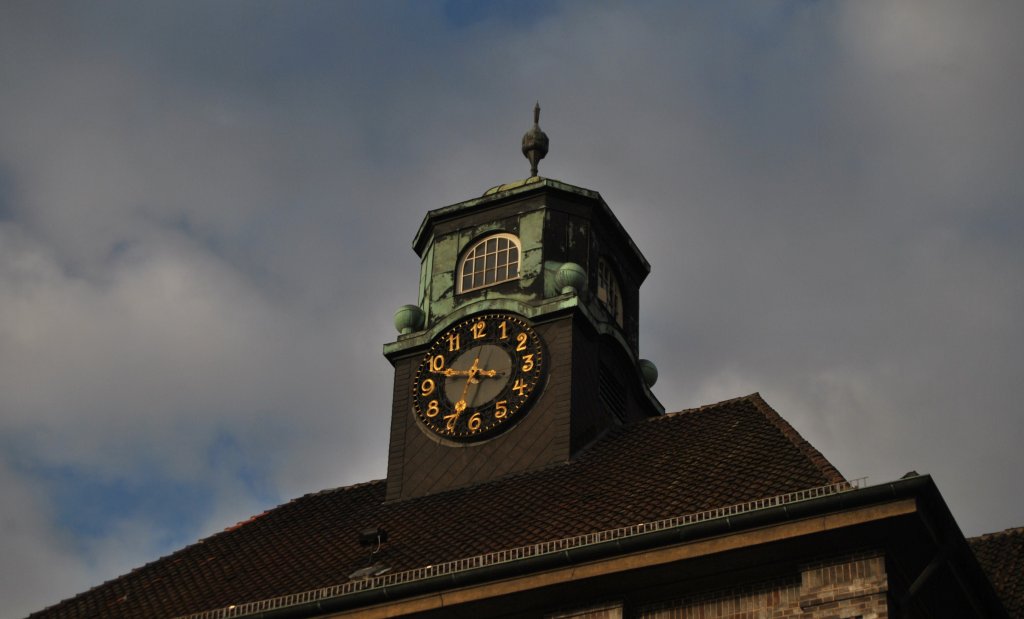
{"x": 608, "y": 291}
{"x": 490, "y": 261}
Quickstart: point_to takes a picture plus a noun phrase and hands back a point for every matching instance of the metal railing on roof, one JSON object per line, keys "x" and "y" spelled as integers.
{"x": 523, "y": 552}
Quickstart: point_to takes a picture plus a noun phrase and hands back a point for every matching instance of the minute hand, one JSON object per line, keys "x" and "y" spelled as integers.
{"x": 461, "y": 404}
{"x": 488, "y": 373}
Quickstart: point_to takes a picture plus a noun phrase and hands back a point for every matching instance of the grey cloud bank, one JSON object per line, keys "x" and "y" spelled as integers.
{"x": 206, "y": 210}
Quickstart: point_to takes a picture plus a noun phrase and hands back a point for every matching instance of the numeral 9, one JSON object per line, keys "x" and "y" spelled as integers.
{"x": 427, "y": 386}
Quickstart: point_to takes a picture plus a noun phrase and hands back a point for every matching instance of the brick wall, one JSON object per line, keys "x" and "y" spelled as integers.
{"x": 611, "y": 610}
{"x": 851, "y": 588}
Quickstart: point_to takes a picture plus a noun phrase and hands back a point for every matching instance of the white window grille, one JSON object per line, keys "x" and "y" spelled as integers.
{"x": 490, "y": 261}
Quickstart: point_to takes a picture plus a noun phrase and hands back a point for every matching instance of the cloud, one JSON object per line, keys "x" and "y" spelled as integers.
{"x": 206, "y": 210}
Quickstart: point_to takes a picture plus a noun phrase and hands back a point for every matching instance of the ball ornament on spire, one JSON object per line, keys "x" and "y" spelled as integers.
{"x": 535, "y": 142}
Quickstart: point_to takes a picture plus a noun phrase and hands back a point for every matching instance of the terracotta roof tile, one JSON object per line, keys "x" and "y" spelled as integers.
{"x": 1001, "y": 556}
{"x": 667, "y": 466}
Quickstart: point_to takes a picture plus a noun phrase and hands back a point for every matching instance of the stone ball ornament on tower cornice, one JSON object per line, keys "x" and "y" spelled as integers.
{"x": 571, "y": 278}
{"x": 649, "y": 372}
{"x": 409, "y": 318}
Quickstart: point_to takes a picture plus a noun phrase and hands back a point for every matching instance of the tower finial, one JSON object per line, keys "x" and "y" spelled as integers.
{"x": 535, "y": 142}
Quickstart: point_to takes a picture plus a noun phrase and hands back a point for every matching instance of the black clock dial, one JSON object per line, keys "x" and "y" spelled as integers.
{"x": 479, "y": 377}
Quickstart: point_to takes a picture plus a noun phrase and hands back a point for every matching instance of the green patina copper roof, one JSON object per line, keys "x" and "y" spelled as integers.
{"x": 512, "y": 185}
{"x": 505, "y": 191}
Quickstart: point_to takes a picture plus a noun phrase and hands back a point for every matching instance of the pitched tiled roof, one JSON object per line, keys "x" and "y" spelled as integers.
{"x": 672, "y": 465}
{"x": 1001, "y": 556}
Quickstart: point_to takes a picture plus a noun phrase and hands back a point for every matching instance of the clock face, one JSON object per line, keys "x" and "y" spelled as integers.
{"x": 479, "y": 377}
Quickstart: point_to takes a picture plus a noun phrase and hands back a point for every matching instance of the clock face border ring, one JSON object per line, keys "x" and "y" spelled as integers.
{"x": 467, "y": 419}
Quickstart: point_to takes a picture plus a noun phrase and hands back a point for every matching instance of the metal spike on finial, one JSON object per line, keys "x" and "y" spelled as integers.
{"x": 535, "y": 142}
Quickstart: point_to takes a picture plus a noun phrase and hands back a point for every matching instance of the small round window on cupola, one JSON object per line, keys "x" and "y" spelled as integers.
{"x": 609, "y": 293}
{"x": 491, "y": 260}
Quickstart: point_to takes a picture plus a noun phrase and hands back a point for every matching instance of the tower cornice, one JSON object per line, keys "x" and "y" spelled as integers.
{"x": 510, "y": 192}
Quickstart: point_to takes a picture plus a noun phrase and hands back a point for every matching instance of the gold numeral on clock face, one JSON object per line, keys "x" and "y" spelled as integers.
{"x": 508, "y": 357}
{"x": 527, "y": 362}
{"x": 437, "y": 363}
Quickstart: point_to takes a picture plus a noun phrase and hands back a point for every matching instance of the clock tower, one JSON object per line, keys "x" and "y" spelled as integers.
{"x": 522, "y": 348}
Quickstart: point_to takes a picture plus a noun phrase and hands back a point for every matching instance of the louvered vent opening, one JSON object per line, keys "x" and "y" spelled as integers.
{"x": 612, "y": 394}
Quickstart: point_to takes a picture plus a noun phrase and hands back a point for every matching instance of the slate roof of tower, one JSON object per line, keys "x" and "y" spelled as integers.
{"x": 1001, "y": 556}
{"x": 667, "y": 466}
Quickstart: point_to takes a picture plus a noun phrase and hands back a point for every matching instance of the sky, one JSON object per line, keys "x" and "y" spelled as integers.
{"x": 207, "y": 208}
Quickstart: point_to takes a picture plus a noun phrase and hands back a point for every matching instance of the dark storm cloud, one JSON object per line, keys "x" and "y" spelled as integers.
{"x": 206, "y": 210}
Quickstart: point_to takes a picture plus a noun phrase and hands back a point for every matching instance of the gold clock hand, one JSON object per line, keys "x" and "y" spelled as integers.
{"x": 461, "y": 404}
{"x": 488, "y": 354}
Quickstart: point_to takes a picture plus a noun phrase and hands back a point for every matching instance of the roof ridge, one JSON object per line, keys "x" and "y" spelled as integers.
{"x": 325, "y": 491}
{"x": 202, "y": 540}
{"x": 132, "y": 572}
{"x": 815, "y": 456}
{"x": 703, "y": 407}
{"x": 338, "y": 489}
{"x": 1003, "y": 533}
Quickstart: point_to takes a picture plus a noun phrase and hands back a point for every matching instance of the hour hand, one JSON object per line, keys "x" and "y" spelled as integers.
{"x": 471, "y": 374}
